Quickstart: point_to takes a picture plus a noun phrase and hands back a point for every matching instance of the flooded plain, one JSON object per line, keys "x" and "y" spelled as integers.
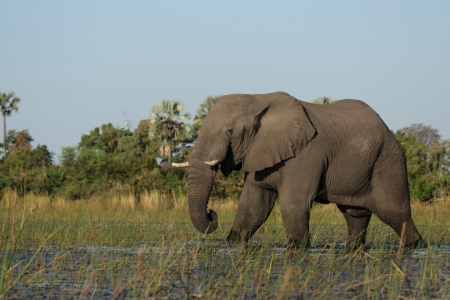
{"x": 172, "y": 261}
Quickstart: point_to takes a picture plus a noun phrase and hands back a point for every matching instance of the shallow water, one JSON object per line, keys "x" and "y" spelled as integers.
{"x": 202, "y": 267}
{"x": 315, "y": 249}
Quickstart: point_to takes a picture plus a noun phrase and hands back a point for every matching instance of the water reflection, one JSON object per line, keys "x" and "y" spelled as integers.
{"x": 205, "y": 245}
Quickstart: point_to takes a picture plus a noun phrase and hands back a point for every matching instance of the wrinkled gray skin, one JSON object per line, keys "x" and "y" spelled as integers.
{"x": 339, "y": 153}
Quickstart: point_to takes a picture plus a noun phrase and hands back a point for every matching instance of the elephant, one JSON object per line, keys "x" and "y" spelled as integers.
{"x": 340, "y": 153}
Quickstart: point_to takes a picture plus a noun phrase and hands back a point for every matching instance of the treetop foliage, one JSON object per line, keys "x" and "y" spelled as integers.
{"x": 105, "y": 140}
{"x": 131, "y": 148}
{"x": 17, "y": 140}
{"x": 8, "y": 104}
{"x": 427, "y": 166}
{"x": 423, "y": 133}
{"x": 323, "y": 100}
{"x": 205, "y": 107}
{"x": 167, "y": 125}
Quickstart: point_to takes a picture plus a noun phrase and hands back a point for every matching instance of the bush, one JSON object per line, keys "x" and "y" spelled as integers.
{"x": 427, "y": 167}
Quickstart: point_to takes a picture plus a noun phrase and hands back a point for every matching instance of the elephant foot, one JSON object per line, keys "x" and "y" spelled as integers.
{"x": 234, "y": 237}
{"x": 303, "y": 244}
{"x": 355, "y": 244}
{"x": 418, "y": 244}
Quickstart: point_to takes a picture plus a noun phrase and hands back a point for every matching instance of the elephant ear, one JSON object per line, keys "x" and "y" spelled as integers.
{"x": 283, "y": 130}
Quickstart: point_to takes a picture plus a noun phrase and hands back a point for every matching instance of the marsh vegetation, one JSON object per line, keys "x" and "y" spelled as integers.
{"x": 124, "y": 248}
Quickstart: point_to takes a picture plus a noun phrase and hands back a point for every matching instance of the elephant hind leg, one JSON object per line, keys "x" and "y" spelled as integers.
{"x": 391, "y": 201}
{"x": 403, "y": 225}
{"x": 394, "y": 210}
{"x": 357, "y": 221}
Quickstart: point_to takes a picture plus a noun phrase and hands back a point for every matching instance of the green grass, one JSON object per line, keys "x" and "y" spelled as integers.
{"x": 123, "y": 249}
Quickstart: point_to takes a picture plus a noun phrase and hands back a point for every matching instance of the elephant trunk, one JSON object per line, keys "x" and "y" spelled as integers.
{"x": 200, "y": 183}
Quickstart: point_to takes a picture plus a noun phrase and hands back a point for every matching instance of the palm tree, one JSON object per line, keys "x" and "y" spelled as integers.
{"x": 205, "y": 107}
{"x": 323, "y": 100}
{"x": 8, "y": 104}
{"x": 167, "y": 124}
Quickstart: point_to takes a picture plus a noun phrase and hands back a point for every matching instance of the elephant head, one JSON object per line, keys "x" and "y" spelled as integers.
{"x": 252, "y": 132}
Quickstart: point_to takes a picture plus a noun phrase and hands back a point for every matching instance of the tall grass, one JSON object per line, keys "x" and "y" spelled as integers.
{"x": 157, "y": 206}
{"x": 154, "y": 207}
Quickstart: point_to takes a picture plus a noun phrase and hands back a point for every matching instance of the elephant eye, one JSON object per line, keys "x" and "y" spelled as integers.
{"x": 230, "y": 132}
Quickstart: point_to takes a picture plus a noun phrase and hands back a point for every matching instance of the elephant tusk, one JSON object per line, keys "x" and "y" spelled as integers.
{"x": 180, "y": 165}
{"x": 211, "y": 163}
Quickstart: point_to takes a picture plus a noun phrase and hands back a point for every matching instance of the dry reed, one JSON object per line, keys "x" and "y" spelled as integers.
{"x": 151, "y": 200}
{"x": 154, "y": 202}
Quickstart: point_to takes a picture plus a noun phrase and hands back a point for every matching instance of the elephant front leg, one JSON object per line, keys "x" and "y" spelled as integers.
{"x": 296, "y": 222}
{"x": 357, "y": 221}
{"x": 254, "y": 208}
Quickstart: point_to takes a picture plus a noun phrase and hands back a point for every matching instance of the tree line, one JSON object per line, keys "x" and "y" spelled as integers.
{"x": 112, "y": 161}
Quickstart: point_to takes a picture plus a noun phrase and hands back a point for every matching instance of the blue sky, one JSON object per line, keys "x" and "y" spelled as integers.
{"x": 79, "y": 64}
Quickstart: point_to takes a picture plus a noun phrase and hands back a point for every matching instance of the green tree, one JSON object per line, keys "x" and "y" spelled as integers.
{"x": 131, "y": 148}
{"x": 427, "y": 167}
{"x": 205, "y": 107}
{"x": 8, "y": 104}
{"x": 104, "y": 138}
{"x": 17, "y": 140}
{"x": 168, "y": 125}
{"x": 68, "y": 158}
{"x": 230, "y": 186}
{"x": 28, "y": 168}
{"x": 323, "y": 100}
